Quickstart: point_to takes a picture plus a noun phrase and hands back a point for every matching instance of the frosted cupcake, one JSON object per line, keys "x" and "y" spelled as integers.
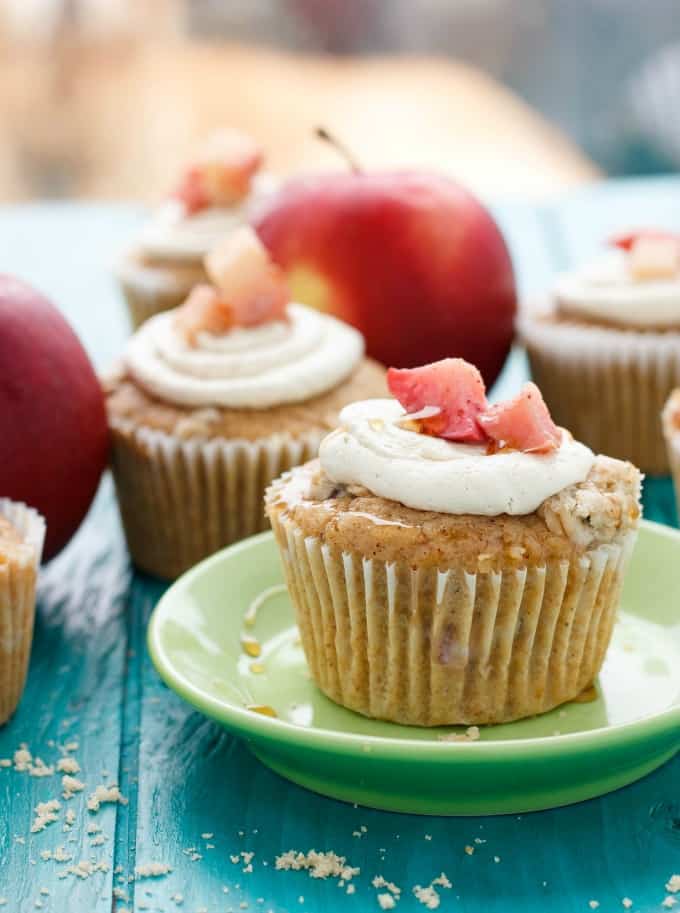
{"x": 606, "y": 353}
{"x": 450, "y": 561}
{"x": 22, "y": 532}
{"x": 219, "y": 191}
{"x": 217, "y": 398}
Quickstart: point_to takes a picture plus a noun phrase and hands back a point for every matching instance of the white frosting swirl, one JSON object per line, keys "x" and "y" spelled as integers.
{"x": 605, "y": 290}
{"x": 257, "y": 367}
{"x": 172, "y": 234}
{"x": 430, "y": 473}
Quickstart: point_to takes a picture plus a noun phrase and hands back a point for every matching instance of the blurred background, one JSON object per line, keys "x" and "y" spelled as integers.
{"x": 104, "y": 98}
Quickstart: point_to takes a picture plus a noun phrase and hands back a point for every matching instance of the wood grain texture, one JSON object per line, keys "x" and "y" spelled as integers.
{"x": 184, "y": 777}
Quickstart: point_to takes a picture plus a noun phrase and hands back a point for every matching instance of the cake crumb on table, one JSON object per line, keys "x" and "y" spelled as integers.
{"x": 104, "y": 795}
{"x": 673, "y": 884}
{"x": 152, "y": 870}
{"x": 627, "y": 903}
{"x": 668, "y": 902}
{"x": 469, "y": 850}
{"x": 593, "y": 904}
{"x": 386, "y": 901}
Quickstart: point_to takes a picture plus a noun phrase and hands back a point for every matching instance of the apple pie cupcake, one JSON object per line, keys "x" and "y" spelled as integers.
{"x": 219, "y": 191}
{"x": 216, "y": 398}
{"x": 452, "y": 562}
{"x": 606, "y": 351}
{"x": 22, "y": 533}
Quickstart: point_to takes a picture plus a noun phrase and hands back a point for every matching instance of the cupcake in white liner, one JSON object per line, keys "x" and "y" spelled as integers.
{"x": 606, "y": 351}
{"x": 459, "y": 565}
{"x": 218, "y": 397}
{"x": 219, "y": 191}
{"x": 22, "y": 533}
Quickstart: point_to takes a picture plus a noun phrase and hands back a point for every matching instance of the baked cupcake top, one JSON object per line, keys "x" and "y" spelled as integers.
{"x": 240, "y": 343}
{"x": 440, "y": 476}
{"x": 637, "y": 284}
{"x": 22, "y": 533}
{"x": 218, "y": 191}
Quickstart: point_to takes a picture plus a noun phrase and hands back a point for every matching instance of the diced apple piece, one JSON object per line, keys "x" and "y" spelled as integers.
{"x": 192, "y": 192}
{"x": 228, "y": 163}
{"x": 626, "y": 239}
{"x": 522, "y": 423}
{"x": 254, "y": 286}
{"x": 654, "y": 258}
{"x": 204, "y": 311}
{"x": 452, "y": 385}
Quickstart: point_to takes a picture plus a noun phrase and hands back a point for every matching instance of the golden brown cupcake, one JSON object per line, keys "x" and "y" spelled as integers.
{"x": 216, "y": 399}
{"x": 460, "y": 564}
{"x": 606, "y": 351}
{"x": 219, "y": 191}
{"x": 22, "y": 532}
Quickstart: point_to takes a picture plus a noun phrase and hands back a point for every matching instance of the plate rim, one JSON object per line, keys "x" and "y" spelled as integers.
{"x": 249, "y": 724}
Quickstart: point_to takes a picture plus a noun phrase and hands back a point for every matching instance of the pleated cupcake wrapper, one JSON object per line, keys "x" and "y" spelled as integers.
{"x": 17, "y": 603}
{"x": 429, "y": 647}
{"x": 607, "y": 386}
{"x": 148, "y": 292}
{"x": 182, "y": 500}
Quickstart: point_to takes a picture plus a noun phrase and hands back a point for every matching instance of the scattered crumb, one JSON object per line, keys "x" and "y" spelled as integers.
{"x": 152, "y": 870}
{"x": 177, "y": 898}
{"x": 207, "y": 836}
{"x": 104, "y": 794}
{"x": 442, "y": 880}
{"x": 120, "y": 894}
{"x": 45, "y": 813}
{"x": 668, "y": 902}
{"x": 20, "y": 840}
{"x": 496, "y": 858}
{"x": 99, "y": 840}
{"x": 71, "y": 786}
{"x": 68, "y": 766}
{"x": 673, "y": 884}
{"x": 593, "y": 904}
{"x": 84, "y": 869}
{"x": 469, "y": 850}
{"x": 627, "y": 903}
{"x": 386, "y": 902}
{"x": 318, "y": 865}
{"x": 45, "y": 892}
{"x": 350, "y": 889}
{"x": 428, "y": 836}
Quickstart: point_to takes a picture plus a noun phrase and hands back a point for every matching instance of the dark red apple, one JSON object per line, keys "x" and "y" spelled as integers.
{"x": 53, "y": 431}
{"x": 411, "y": 259}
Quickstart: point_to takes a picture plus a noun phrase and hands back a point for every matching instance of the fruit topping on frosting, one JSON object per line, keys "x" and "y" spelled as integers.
{"x": 247, "y": 277}
{"x": 652, "y": 253}
{"x": 204, "y": 311}
{"x": 455, "y": 388}
{"x": 222, "y": 172}
{"x": 249, "y": 289}
{"x": 522, "y": 423}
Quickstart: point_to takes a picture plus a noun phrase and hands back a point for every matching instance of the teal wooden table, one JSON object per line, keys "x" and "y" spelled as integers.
{"x": 195, "y": 800}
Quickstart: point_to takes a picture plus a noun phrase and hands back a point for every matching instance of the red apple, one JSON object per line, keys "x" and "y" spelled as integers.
{"x": 53, "y": 430}
{"x": 411, "y": 259}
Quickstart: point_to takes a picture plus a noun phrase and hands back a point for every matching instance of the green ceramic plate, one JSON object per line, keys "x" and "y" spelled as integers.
{"x": 196, "y": 639}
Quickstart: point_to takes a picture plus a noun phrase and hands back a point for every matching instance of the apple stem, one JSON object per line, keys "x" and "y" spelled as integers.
{"x": 323, "y": 134}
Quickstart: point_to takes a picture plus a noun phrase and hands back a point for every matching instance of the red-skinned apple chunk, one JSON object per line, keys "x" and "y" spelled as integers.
{"x": 412, "y": 260}
{"x": 53, "y": 432}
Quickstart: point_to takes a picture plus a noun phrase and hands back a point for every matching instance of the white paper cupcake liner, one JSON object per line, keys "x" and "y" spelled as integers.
{"x": 182, "y": 500}
{"x": 429, "y": 647}
{"x": 18, "y": 577}
{"x": 608, "y": 386}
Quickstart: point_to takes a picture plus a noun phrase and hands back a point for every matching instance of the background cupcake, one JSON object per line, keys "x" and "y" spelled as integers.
{"x": 606, "y": 352}
{"x": 216, "y": 399}
{"x": 22, "y": 533}
{"x": 219, "y": 191}
{"x": 461, "y": 564}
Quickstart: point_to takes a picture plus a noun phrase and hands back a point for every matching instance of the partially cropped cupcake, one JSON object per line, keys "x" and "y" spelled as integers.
{"x": 606, "y": 351}
{"x": 22, "y": 532}
{"x": 219, "y": 191}
{"x": 218, "y": 397}
{"x": 450, "y": 561}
